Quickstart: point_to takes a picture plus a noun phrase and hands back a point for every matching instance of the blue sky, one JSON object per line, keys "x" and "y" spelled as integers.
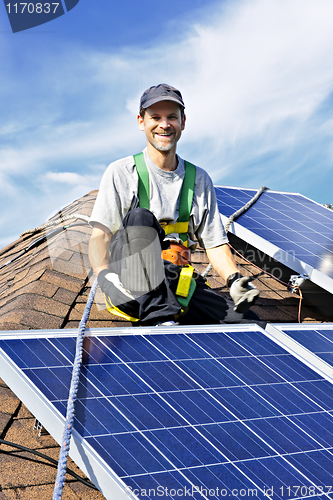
{"x": 256, "y": 77}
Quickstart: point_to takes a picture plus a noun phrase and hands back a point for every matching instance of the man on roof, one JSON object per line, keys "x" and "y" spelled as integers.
{"x": 150, "y": 212}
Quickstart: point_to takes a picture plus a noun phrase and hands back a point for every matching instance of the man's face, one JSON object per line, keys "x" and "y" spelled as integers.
{"x": 163, "y": 124}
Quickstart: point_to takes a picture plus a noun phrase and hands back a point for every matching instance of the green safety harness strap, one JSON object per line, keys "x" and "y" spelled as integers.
{"x": 143, "y": 187}
{"x": 186, "y": 197}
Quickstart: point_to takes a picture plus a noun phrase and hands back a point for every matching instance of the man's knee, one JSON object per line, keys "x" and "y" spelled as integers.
{"x": 140, "y": 217}
{"x": 143, "y": 222}
{"x": 141, "y": 268}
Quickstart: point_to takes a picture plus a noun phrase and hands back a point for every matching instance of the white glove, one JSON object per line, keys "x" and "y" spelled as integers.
{"x": 242, "y": 292}
{"x": 109, "y": 281}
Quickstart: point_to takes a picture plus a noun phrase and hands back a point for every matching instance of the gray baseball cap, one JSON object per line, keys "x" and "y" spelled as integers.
{"x": 161, "y": 92}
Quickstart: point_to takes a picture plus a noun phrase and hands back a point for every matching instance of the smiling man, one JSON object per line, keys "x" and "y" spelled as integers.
{"x": 150, "y": 211}
{"x": 163, "y": 123}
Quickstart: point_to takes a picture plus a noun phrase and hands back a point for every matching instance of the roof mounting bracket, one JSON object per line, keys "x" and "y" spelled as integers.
{"x": 39, "y": 427}
{"x": 296, "y": 281}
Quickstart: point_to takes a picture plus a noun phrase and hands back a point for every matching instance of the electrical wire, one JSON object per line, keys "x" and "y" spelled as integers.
{"x": 56, "y": 221}
{"x": 275, "y": 278}
{"x": 300, "y": 304}
{"x": 41, "y": 240}
{"x": 45, "y": 457}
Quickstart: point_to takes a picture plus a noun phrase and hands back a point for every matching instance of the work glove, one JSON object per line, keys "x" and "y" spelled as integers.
{"x": 242, "y": 292}
{"x": 116, "y": 294}
{"x": 110, "y": 285}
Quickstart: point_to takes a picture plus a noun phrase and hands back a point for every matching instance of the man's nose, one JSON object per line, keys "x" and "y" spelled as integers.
{"x": 164, "y": 123}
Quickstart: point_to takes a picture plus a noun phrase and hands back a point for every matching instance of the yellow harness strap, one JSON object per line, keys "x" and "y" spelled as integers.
{"x": 116, "y": 311}
{"x": 178, "y": 227}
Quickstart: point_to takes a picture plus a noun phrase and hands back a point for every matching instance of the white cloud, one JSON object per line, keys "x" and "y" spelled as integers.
{"x": 64, "y": 177}
{"x": 261, "y": 71}
{"x": 257, "y": 66}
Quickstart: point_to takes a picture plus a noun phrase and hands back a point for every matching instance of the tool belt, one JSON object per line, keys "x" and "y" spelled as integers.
{"x": 177, "y": 254}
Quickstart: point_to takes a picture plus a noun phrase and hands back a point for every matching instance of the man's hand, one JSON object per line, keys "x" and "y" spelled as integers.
{"x": 111, "y": 285}
{"x": 242, "y": 292}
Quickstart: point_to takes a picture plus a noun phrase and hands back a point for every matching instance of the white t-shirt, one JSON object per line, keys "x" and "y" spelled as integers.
{"x": 118, "y": 193}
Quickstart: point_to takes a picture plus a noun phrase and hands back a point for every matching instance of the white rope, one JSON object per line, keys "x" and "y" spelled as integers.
{"x": 64, "y": 450}
{"x": 235, "y": 216}
{"x": 248, "y": 205}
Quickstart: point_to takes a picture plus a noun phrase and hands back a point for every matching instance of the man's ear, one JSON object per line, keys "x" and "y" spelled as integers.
{"x": 183, "y": 122}
{"x": 140, "y": 123}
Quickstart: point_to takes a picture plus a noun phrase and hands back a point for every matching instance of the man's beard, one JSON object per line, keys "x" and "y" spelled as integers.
{"x": 163, "y": 147}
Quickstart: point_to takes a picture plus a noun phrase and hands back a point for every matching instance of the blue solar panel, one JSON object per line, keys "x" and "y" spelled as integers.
{"x": 317, "y": 339}
{"x": 202, "y": 412}
{"x": 300, "y": 230}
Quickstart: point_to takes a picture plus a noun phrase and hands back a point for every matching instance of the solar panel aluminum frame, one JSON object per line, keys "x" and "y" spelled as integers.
{"x": 274, "y": 332}
{"x": 276, "y": 252}
{"x": 107, "y": 481}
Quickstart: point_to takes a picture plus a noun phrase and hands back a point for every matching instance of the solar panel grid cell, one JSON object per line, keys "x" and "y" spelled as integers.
{"x": 198, "y": 406}
{"x": 244, "y": 403}
{"x": 316, "y": 342}
{"x": 255, "y": 344}
{"x": 39, "y": 355}
{"x": 287, "y": 399}
{"x": 328, "y": 357}
{"x": 201, "y": 410}
{"x": 252, "y": 371}
{"x": 318, "y": 425}
{"x": 91, "y": 414}
{"x": 277, "y": 473}
{"x": 321, "y": 393}
{"x": 317, "y": 465}
{"x": 148, "y": 411}
{"x": 280, "y": 432}
{"x": 289, "y": 367}
{"x": 224, "y": 347}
